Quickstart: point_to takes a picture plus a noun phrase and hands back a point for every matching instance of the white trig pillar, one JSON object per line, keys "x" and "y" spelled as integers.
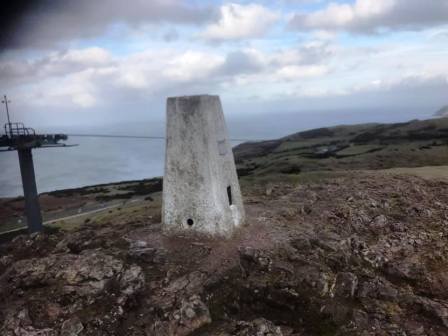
{"x": 201, "y": 192}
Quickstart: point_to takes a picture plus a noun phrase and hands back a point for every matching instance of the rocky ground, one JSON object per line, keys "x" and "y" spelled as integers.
{"x": 357, "y": 255}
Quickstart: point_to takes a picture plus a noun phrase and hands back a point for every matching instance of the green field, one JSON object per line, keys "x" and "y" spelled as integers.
{"x": 355, "y": 147}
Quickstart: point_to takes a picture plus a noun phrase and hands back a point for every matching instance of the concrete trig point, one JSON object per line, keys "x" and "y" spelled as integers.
{"x": 200, "y": 187}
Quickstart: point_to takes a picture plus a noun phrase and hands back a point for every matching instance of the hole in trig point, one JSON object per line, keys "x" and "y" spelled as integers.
{"x": 190, "y": 222}
{"x": 229, "y": 195}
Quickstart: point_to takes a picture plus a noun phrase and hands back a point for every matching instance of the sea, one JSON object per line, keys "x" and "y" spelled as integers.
{"x": 94, "y": 160}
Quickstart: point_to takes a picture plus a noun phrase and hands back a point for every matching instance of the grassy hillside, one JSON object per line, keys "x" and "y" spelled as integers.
{"x": 368, "y": 146}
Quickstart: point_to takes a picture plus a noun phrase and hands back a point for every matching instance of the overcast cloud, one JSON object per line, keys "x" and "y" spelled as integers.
{"x": 55, "y": 22}
{"x": 95, "y": 64}
{"x": 372, "y": 16}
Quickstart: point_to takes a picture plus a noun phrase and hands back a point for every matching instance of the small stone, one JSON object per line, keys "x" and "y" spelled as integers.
{"x": 301, "y": 243}
{"x": 258, "y": 327}
{"x": 346, "y": 284}
{"x": 6, "y": 260}
{"x": 379, "y": 222}
{"x": 189, "y": 312}
{"x": 254, "y": 258}
{"x": 72, "y": 327}
{"x": 134, "y": 244}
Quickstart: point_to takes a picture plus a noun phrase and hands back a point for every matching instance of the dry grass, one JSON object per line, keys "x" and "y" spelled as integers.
{"x": 428, "y": 173}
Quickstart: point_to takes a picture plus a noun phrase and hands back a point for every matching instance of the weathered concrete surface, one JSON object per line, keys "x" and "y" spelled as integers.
{"x": 200, "y": 188}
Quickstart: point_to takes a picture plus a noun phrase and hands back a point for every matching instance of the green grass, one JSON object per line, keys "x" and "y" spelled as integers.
{"x": 11, "y": 225}
{"x": 356, "y": 147}
{"x": 358, "y": 150}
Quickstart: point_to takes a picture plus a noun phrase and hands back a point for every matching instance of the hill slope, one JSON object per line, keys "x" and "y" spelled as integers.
{"x": 367, "y": 146}
{"x": 359, "y": 255}
{"x": 443, "y": 112}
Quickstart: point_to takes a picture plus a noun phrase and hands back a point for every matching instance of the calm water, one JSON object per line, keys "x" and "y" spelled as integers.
{"x": 94, "y": 161}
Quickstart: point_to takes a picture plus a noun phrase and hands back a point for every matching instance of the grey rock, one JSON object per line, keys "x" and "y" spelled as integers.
{"x": 258, "y": 327}
{"x": 346, "y": 284}
{"x": 132, "y": 280}
{"x": 18, "y": 323}
{"x": 6, "y": 260}
{"x": 192, "y": 315}
{"x": 85, "y": 275}
{"x": 436, "y": 309}
{"x": 406, "y": 269}
{"x": 71, "y": 327}
{"x": 301, "y": 243}
{"x": 379, "y": 222}
{"x": 377, "y": 289}
{"x": 251, "y": 258}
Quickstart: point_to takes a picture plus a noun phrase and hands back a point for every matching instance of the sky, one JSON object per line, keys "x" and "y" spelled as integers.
{"x": 278, "y": 66}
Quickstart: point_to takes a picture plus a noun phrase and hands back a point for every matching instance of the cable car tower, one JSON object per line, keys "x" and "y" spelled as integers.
{"x": 23, "y": 140}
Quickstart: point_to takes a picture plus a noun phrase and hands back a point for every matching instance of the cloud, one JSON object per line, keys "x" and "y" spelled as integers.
{"x": 192, "y": 65}
{"x": 242, "y": 62}
{"x": 171, "y": 35}
{"x": 309, "y": 53}
{"x": 84, "y": 99}
{"x": 56, "y": 63}
{"x": 94, "y": 76}
{"x": 293, "y": 72}
{"x": 50, "y": 22}
{"x": 403, "y": 84}
{"x": 370, "y": 16}
{"x": 240, "y": 22}
{"x": 92, "y": 55}
{"x": 90, "y": 77}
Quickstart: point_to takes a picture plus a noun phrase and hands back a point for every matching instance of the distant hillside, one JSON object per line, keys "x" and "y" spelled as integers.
{"x": 366, "y": 146}
{"x": 443, "y": 112}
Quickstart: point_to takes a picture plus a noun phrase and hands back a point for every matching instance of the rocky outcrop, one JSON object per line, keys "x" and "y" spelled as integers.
{"x": 357, "y": 256}
{"x": 69, "y": 284}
